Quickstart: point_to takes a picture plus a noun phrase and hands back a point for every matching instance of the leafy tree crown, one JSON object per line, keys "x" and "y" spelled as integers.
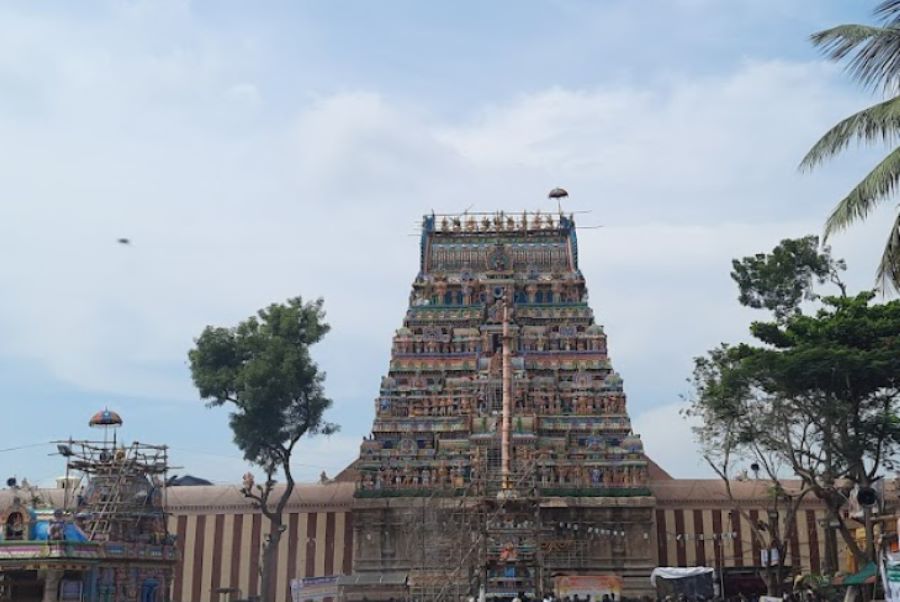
{"x": 263, "y": 368}
{"x": 781, "y": 280}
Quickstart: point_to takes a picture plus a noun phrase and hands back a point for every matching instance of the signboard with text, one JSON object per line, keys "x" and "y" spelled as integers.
{"x": 314, "y": 588}
{"x": 595, "y": 586}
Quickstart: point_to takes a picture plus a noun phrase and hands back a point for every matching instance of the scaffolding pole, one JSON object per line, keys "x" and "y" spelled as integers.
{"x": 505, "y": 442}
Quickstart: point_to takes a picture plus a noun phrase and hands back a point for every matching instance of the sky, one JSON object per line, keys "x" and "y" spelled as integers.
{"x": 256, "y": 152}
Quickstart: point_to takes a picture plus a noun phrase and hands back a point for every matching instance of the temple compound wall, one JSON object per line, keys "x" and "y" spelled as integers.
{"x": 697, "y": 524}
{"x": 219, "y": 534}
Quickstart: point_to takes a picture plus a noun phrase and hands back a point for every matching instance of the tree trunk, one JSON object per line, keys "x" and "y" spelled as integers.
{"x": 772, "y": 585}
{"x": 268, "y": 578}
{"x": 834, "y": 508}
{"x": 870, "y": 536}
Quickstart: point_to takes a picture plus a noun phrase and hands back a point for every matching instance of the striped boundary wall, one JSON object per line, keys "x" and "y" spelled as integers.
{"x": 223, "y": 550}
{"x": 693, "y": 537}
{"x": 220, "y": 536}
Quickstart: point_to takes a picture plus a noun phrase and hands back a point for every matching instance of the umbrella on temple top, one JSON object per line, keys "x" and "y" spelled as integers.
{"x": 559, "y": 194}
{"x": 106, "y": 419}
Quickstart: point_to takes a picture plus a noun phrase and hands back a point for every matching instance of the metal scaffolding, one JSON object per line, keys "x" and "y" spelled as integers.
{"x": 119, "y": 491}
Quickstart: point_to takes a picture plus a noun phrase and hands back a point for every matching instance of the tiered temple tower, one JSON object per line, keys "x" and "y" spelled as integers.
{"x": 501, "y": 441}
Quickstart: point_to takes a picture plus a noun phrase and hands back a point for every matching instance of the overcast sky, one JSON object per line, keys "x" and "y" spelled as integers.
{"x": 254, "y": 152}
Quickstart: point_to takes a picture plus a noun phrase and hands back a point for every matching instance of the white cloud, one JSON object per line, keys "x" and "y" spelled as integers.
{"x": 244, "y": 93}
{"x": 230, "y": 209}
{"x": 691, "y": 150}
{"x": 669, "y": 441}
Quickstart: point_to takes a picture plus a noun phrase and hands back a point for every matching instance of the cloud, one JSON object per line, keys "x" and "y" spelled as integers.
{"x": 320, "y": 193}
{"x": 669, "y": 441}
{"x": 688, "y": 150}
{"x": 245, "y": 94}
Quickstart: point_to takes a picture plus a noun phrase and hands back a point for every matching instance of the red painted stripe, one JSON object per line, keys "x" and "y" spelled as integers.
{"x": 293, "y": 534}
{"x": 236, "y": 536}
{"x": 813, "y": 539}
{"x": 311, "y": 535}
{"x": 795, "y": 545}
{"x": 699, "y": 543}
{"x": 754, "y": 518}
{"x": 329, "y": 543}
{"x": 180, "y": 534}
{"x": 738, "y": 542}
{"x": 718, "y": 540}
{"x": 199, "y": 542}
{"x": 218, "y": 532}
{"x": 662, "y": 548}
{"x": 680, "y": 543}
{"x": 347, "y": 564}
{"x": 273, "y": 570}
{"x": 255, "y": 536}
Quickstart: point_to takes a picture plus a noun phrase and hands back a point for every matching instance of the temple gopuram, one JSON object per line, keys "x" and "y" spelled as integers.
{"x": 501, "y": 429}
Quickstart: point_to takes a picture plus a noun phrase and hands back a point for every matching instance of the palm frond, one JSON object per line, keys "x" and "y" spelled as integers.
{"x": 873, "y": 52}
{"x": 880, "y": 122}
{"x": 888, "y": 12}
{"x": 878, "y": 184}
{"x": 888, "y": 275}
{"x": 836, "y": 42}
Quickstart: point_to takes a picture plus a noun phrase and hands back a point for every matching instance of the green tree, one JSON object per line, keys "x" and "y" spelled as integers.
{"x": 779, "y": 281}
{"x": 733, "y": 432}
{"x": 262, "y": 369}
{"x": 872, "y": 55}
{"x": 816, "y": 394}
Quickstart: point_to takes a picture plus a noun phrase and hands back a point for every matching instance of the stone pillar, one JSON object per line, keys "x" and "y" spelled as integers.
{"x": 52, "y": 578}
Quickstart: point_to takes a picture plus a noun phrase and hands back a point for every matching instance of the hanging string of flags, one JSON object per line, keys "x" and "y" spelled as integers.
{"x": 616, "y": 531}
{"x": 724, "y": 536}
{"x": 594, "y": 531}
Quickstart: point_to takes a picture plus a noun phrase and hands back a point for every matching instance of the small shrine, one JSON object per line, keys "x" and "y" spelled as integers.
{"x": 99, "y": 536}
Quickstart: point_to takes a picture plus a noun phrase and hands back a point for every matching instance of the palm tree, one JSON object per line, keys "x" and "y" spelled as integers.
{"x": 872, "y": 55}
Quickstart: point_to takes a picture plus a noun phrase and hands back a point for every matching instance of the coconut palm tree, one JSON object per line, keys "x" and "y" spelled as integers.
{"x": 872, "y": 56}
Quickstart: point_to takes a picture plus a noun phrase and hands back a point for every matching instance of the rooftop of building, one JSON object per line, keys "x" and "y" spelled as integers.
{"x": 498, "y": 222}
{"x": 338, "y": 494}
{"x": 204, "y": 498}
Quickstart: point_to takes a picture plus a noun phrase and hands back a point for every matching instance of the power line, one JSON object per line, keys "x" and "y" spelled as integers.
{"x": 230, "y": 457}
{"x": 30, "y": 445}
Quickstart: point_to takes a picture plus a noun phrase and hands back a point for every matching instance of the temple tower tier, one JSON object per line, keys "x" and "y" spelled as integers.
{"x": 502, "y": 456}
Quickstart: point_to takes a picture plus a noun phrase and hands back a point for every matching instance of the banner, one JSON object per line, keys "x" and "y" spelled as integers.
{"x": 594, "y": 586}
{"x": 769, "y": 557}
{"x": 314, "y": 588}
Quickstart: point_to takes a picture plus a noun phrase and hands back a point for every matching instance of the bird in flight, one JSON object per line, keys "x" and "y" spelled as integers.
{"x": 123, "y": 241}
